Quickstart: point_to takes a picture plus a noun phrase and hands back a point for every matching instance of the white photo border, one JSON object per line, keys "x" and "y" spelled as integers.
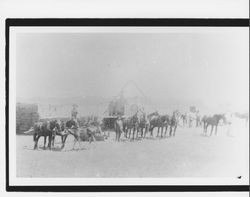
{"x": 95, "y": 25}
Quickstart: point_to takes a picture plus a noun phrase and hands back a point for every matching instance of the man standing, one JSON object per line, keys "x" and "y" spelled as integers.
{"x": 74, "y": 113}
{"x": 198, "y": 119}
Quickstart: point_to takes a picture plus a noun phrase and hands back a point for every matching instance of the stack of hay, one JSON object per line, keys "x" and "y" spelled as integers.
{"x": 95, "y": 132}
{"x": 26, "y": 116}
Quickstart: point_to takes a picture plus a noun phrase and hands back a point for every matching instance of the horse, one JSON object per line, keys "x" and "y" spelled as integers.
{"x": 143, "y": 123}
{"x": 159, "y": 121}
{"x": 118, "y": 128}
{"x": 173, "y": 122}
{"x": 130, "y": 124}
{"x": 45, "y": 129}
{"x": 213, "y": 121}
{"x": 244, "y": 116}
{"x": 60, "y": 131}
{"x": 72, "y": 128}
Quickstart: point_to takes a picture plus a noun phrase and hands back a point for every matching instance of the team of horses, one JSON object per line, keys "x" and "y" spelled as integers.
{"x": 52, "y": 128}
{"x": 140, "y": 125}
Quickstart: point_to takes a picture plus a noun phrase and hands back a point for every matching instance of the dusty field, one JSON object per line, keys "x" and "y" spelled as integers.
{"x": 188, "y": 154}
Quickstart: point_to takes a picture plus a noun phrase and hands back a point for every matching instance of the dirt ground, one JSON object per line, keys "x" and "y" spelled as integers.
{"x": 188, "y": 154}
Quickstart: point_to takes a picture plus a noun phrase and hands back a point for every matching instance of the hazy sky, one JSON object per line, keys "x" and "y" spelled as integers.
{"x": 212, "y": 68}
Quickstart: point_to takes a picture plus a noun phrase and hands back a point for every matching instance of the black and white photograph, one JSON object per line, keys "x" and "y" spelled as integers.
{"x": 128, "y": 105}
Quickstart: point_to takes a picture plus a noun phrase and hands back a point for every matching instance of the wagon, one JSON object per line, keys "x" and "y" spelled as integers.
{"x": 84, "y": 135}
{"x": 109, "y": 123}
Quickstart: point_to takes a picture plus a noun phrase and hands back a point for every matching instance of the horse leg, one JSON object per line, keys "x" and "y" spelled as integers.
{"x": 49, "y": 144}
{"x": 166, "y": 130}
{"x": 44, "y": 143}
{"x": 79, "y": 142}
{"x": 36, "y": 142}
{"x": 152, "y": 131}
{"x": 205, "y": 128}
{"x": 119, "y": 135}
{"x": 175, "y": 129}
{"x": 74, "y": 143}
{"x": 212, "y": 127}
{"x": 146, "y": 130}
{"x": 53, "y": 140}
{"x": 62, "y": 142}
{"x": 133, "y": 133}
{"x": 91, "y": 138}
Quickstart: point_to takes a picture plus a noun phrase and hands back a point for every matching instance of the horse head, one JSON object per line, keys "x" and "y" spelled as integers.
{"x": 54, "y": 126}
{"x": 153, "y": 115}
{"x": 220, "y": 117}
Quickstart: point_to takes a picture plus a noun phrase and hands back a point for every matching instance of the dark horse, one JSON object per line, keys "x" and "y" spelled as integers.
{"x": 159, "y": 121}
{"x": 45, "y": 129}
{"x": 71, "y": 127}
{"x": 60, "y": 131}
{"x": 213, "y": 121}
{"x": 143, "y": 124}
{"x": 130, "y": 124}
{"x": 118, "y": 128}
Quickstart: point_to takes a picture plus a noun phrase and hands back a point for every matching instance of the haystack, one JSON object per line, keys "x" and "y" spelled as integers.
{"x": 26, "y": 116}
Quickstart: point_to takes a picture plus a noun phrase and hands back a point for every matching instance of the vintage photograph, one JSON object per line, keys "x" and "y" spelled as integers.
{"x": 129, "y": 102}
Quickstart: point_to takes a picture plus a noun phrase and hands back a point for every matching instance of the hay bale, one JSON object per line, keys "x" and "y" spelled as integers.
{"x": 26, "y": 116}
{"x": 85, "y": 137}
{"x": 99, "y": 137}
